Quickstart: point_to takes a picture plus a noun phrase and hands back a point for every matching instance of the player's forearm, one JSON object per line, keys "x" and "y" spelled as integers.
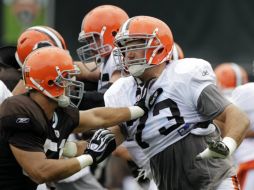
{"x": 107, "y": 117}
{"x": 236, "y": 124}
{"x": 119, "y": 136}
{"x": 85, "y": 74}
{"x": 54, "y": 170}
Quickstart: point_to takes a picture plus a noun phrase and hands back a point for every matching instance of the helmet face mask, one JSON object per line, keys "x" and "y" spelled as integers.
{"x": 135, "y": 65}
{"x": 93, "y": 50}
{"x": 154, "y": 37}
{"x": 98, "y": 31}
{"x": 73, "y": 89}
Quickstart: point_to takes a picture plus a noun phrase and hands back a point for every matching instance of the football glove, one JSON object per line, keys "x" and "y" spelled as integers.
{"x": 101, "y": 145}
{"x": 218, "y": 149}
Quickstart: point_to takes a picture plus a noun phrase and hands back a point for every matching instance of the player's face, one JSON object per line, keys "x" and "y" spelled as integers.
{"x": 134, "y": 52}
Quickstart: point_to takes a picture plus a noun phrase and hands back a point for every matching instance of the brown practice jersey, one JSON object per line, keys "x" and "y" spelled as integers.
{"x": 24, "y": 125}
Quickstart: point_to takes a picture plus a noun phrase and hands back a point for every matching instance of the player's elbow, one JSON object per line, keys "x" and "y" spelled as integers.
{"x": 245, "y": 122}
{"x": 39, "y": 177}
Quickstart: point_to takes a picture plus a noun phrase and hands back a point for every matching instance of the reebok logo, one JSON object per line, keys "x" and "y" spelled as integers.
{"x": 23, "y": 120}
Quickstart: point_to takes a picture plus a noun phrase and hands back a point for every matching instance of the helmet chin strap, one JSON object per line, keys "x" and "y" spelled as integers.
{"x": 63, "y": 101}
{"x": 138, "y": 70}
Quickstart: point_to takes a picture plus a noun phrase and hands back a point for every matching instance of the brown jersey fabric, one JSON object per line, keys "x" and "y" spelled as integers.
{"x": 24, "y": 124}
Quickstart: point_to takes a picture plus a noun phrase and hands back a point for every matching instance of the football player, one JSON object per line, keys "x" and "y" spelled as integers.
{"x": 229, "y": 76}
{"x": 35, "y": 126}
{"x": 175, "y": 132}
{"x": 140, "y": 168}
{"x": 243, "y": 96}
{"x": 98, "y": 30}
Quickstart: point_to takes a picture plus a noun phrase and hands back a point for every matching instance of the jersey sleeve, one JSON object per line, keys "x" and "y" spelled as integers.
{"x": 202, "y": 75}
{"x": 20, "y": 130}
{"x": 118, "y": 95}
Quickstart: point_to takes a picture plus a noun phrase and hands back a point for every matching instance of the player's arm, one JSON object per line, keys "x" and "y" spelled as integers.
{"x": 249, "y": 134}
{"x": 74, "y": 148}
{"x": 115, "y": 76}
{"x": 19, "y": 88}
{"x": 85, "y": 74}
{"x": 41, "y": 170}
{"x": 119, "y": 132}
{"x": 106, "y": 117}
{"x": 230, "y": 119}
{"x": 235, "y": 123}
{"x": 104, "y": 142}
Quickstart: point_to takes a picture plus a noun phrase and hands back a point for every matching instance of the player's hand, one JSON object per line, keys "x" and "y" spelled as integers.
{"x": 218, "y": 149}
{"x": 146, "y": 100}
{"x": 101, "y": 145}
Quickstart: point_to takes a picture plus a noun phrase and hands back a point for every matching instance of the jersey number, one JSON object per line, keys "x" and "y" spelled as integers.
{"x": 167, "y": 103}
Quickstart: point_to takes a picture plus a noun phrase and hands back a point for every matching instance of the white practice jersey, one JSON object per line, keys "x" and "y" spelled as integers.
{"x": 107, "y": 70}
{"x": 174, "y": 112}
{"x": 243, "y": 97}
{"x": 4, "y": 92}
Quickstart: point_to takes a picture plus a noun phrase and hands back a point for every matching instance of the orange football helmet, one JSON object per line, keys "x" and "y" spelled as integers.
{"x": 35, "y": 37}
{"x": 98, "y": 31}
{"x": 50, "y": 70}
{"x": 177, "y": 52}
{"x": 230, "y": 75}
{"x": 157, "y": 41}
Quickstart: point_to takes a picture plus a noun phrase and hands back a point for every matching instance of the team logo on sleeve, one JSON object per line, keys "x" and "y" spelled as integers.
{"x": 23, "y": 120}
{"x": 204, "y": 73}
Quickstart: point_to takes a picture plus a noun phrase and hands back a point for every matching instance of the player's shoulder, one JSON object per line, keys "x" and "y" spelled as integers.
{"x": 17, "y": 104}
{"x": 122, "y": 84}
{"x": 191, "y": 65}
{"x": 20, "y": 113}
{"x": 69, "y": 112}
{"x": 243, "y": 95}
{"x": 247, "y": 88}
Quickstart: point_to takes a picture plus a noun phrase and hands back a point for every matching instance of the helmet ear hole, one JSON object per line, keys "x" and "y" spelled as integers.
{"x": 160, "y": 50}
{"x": 50, "y": 82}
{"x": 114, "y": 33}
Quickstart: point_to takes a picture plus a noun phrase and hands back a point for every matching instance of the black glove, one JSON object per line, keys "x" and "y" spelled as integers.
{"x": 101, "y": 145}
{"x": 216, "y": 149}
{"x": 146, "y": 101}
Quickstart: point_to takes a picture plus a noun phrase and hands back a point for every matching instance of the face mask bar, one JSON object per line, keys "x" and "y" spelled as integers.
{"x": 93, "y": 50}
{"x": 73, "y": 89}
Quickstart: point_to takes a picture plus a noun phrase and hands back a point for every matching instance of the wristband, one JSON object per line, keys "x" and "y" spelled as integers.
{"x": 231, "y": 144}
{"x": 70, "y": 149}
{"x": 85, "y": 160}
{"x": 136, "y": 112}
